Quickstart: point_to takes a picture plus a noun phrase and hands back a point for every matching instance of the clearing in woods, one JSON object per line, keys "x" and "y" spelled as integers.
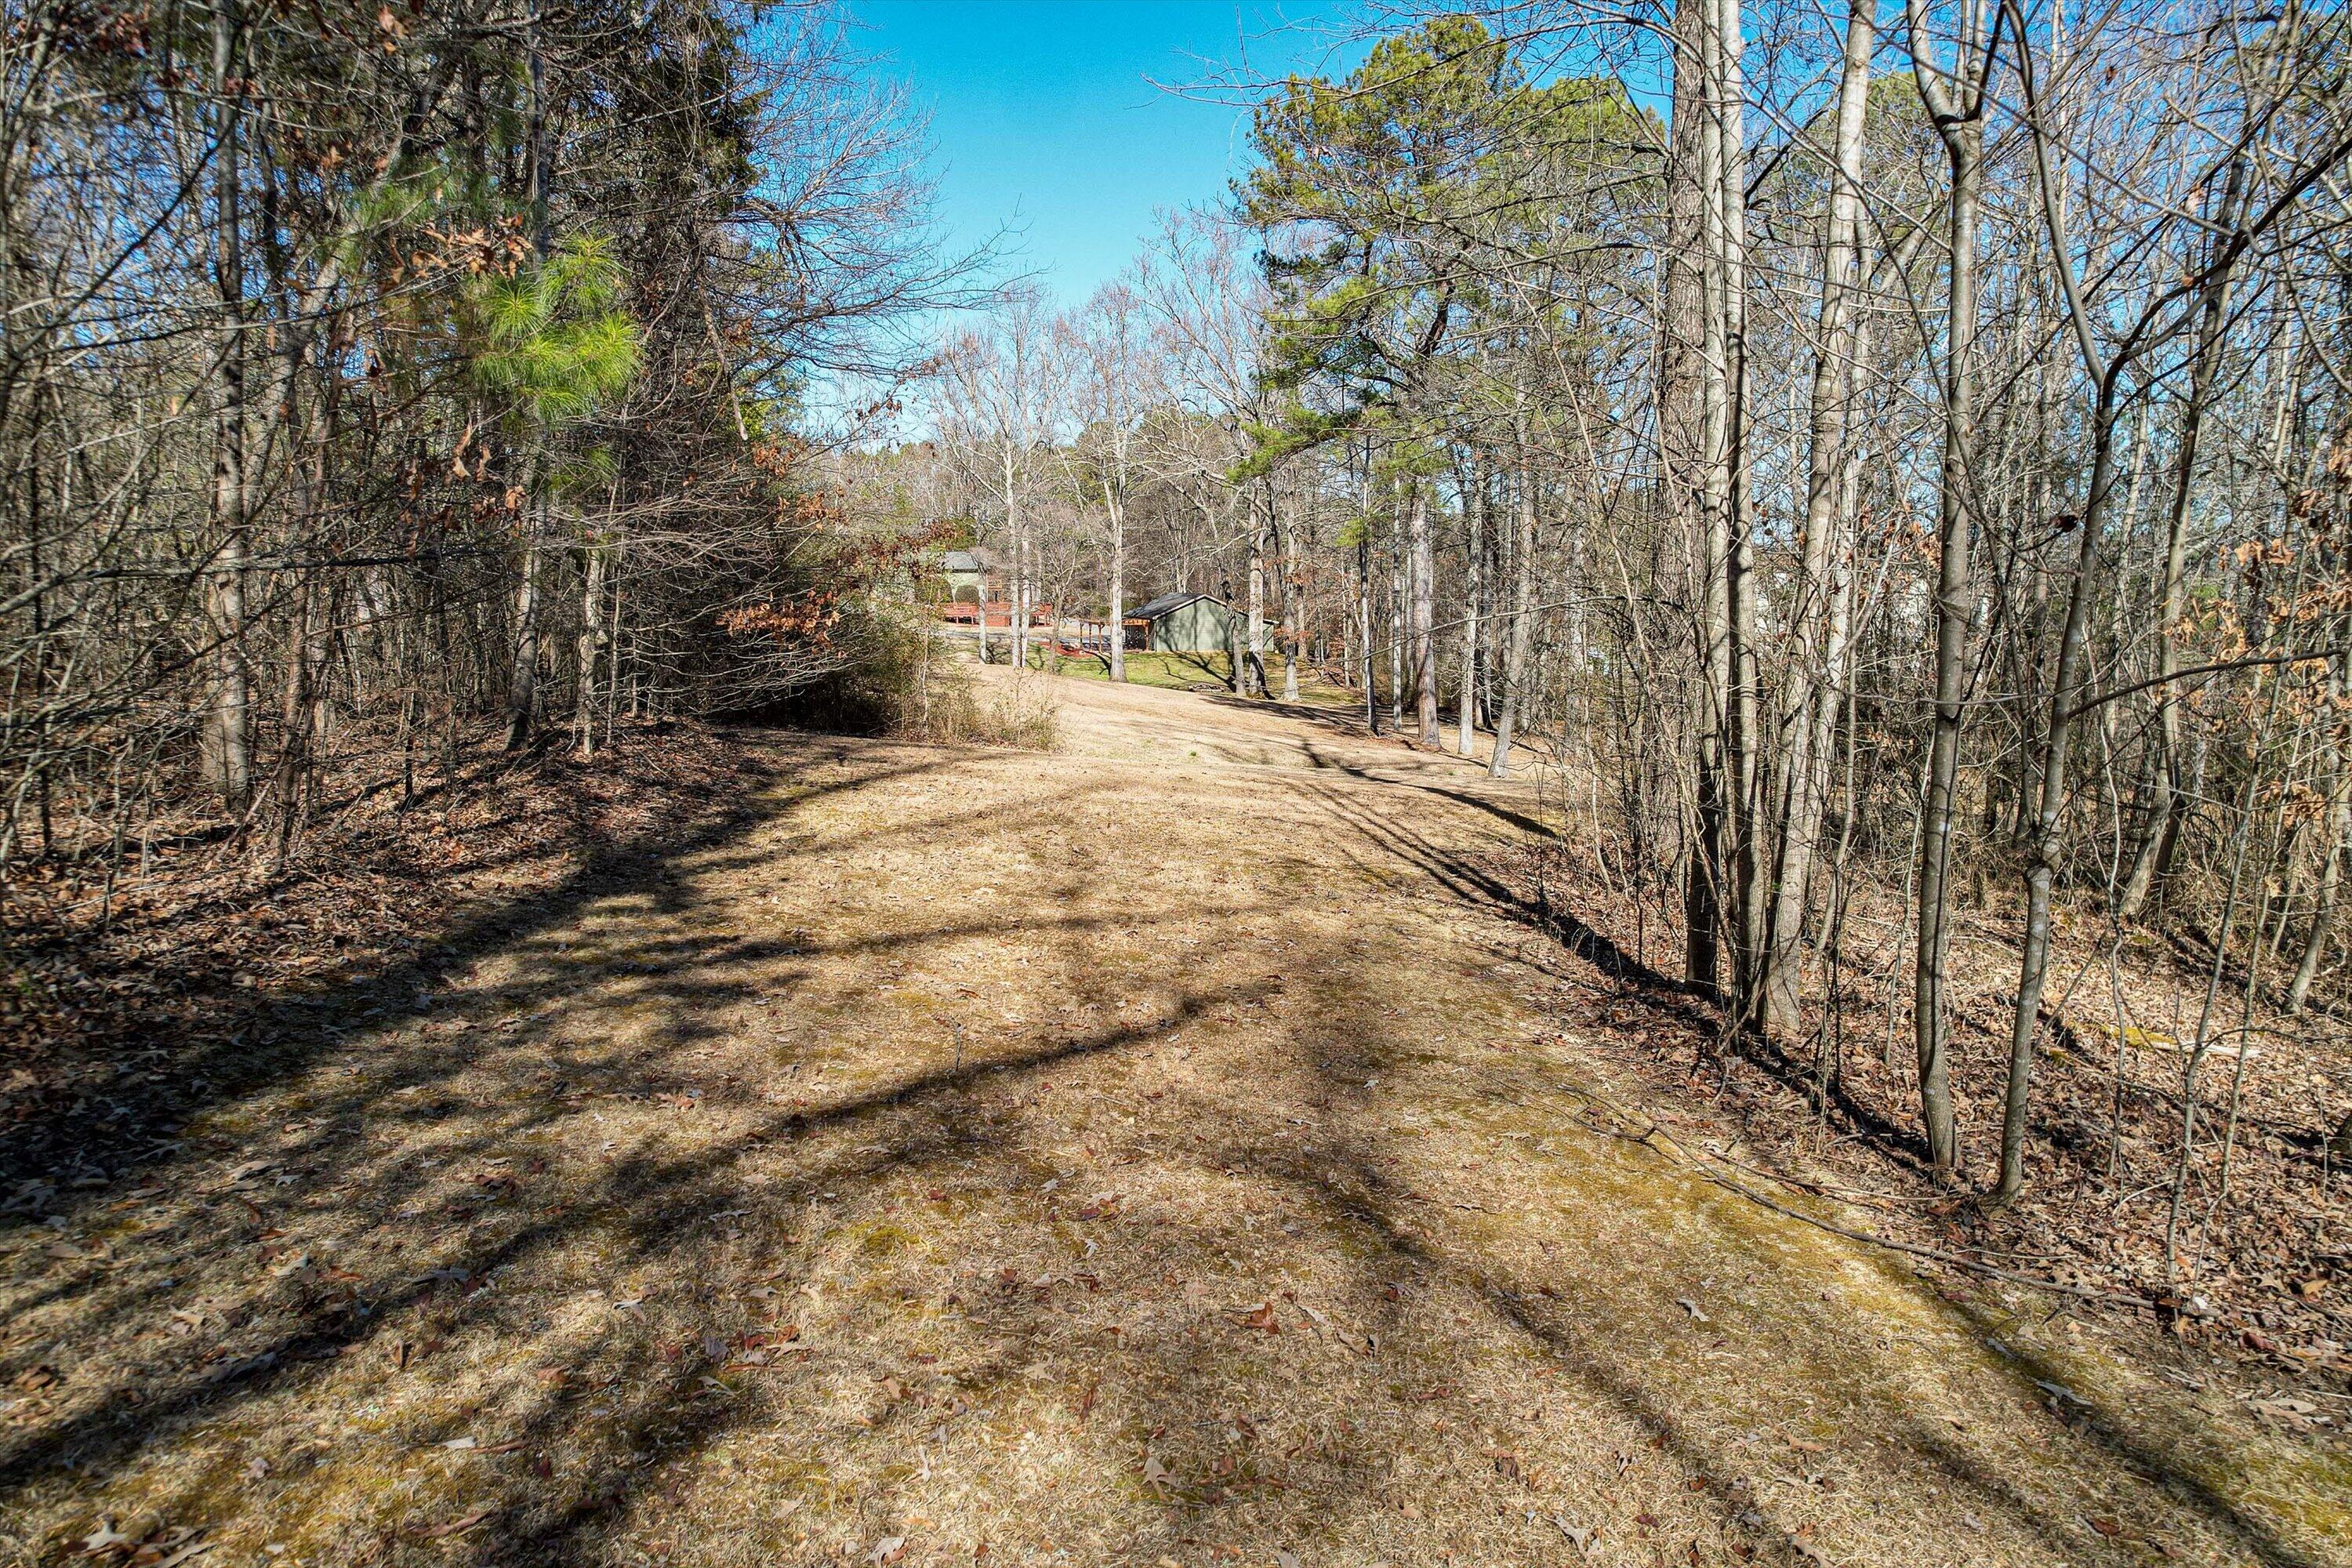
{"x": 1173, "y": 1150}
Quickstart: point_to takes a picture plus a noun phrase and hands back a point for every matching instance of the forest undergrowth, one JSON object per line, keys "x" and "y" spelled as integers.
{"x": 137, "y": 968}
{"x": 137, "y": 980}
{"x": 2262, "y": 1269}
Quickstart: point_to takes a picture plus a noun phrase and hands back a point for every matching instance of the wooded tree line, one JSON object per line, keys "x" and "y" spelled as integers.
{"x": 1107, "y": 453}
{"x": 374, "y": 378}
{"x": 1895, "y": 464}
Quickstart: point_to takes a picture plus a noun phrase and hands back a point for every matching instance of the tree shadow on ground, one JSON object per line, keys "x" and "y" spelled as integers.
{"x": 1683, "y": 1002}
{"x": 735, "y": 1306}
{"x": 2029, "y": 1376}
{"x": 258, "y": 1040}
{"x": 411, "y": 1114}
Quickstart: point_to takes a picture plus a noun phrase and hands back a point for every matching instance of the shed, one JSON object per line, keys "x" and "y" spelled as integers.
{"x": 966, "y": 571}
{"x": 1186, "y": 623}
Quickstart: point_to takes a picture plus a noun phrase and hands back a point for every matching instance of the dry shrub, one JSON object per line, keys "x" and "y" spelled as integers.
{"x": 907, "y": 680}
{"x": 903, "y": 679}
{"x": 951, "y": 705}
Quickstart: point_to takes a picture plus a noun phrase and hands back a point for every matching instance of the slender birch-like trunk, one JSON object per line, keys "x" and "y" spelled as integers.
{"x": 1683, "y": 361}
{"x": 1828, "y": 537}
{"x": 2172, "y": 800}
{"x": 1474, "y": 510}
{"x": 1515, "y": 654}
{"x": 1422, "y": 614}
{"x": 1252, "y": 671}
{"x": 1956, "y": 105}
{"x": 2331, "y": 852}
{"x": 1364, "y": 630}
{"x": 1115, "y": 503}
{"x": 1286, "y": 537}
{"x": 1017, "y": 632}
{"x": 591, "y": 650}
{"x": 1744, "y": 770}
{"x": 2070, "y": 679}
{"x": 522, "y": 675}
{"x": 229, "y": 720}
{"x": 1398, "y": 594}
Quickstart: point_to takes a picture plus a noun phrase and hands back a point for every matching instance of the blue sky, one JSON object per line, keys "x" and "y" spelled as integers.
{"x": 1051, "y": 119}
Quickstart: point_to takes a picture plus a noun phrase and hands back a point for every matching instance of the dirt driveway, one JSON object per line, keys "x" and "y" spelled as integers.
{"x": 1173, "y": 1150}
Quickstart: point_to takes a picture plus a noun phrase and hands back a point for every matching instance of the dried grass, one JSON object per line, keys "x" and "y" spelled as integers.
{"x": 1165, "y": 1155}
{"x": 2265, "y": 1258}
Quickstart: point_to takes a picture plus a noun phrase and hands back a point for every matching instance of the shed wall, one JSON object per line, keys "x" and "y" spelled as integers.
{"x": 1201, "y": 626}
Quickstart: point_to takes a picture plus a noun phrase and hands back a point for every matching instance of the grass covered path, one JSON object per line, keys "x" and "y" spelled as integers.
{"x": 1173, "y": 1150}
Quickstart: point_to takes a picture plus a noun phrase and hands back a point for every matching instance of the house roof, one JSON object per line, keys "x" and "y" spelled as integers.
{"x": 959, "y": 560}
{"x": 1166, "y": 603}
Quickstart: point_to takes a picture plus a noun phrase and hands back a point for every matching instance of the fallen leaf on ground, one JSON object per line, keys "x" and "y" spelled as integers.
{"x": 105, "y": 1537}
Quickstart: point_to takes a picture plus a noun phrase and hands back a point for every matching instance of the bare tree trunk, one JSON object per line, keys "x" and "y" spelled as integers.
{"x": 1115, "y": 501}
{"x": 1681, "y": 374}
{"x": 1050, "y": 596}
{"x": 1474, "y": 510}
{"x": 1828, "y": 540}
{"x": 228, "y": 733}
{"x": 1020, "y": 594}
{"x": 980, "y": 620}
{"x": 2071, "y": 674}
{"x": 1364, "y": 632}
{"x": 522, "y": 675}
{"x": 1016, "y": 631}
{"x": 522, "y": 680}
{"x": 1515, "y": 655}
{"x": 1253, "y": 677}
{"x": 1398, "y": 592}
{"x": 2041, "y": 864}
{"x": 2331, "y": 863}
{"x": 1421, "y": 613}
{"x": 2172, "y": 801}
{"x": 1492, "y": 579}
{"x": 1959, "y": 120}
{"x": 617, "y": 642}
{"x": 299, "y": 713}
{"x": 591, "y": 646}
{"x": 1285, "y": 536}
{"x": 1349, "y": 662}
{"x": 1744, "y": 761}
